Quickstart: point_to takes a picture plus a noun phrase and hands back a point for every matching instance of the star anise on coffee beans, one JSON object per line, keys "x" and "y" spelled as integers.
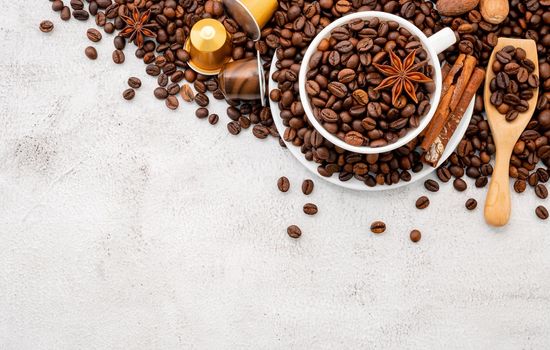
{"x": 401, "y": 75}
{"x": 137, "y": 28}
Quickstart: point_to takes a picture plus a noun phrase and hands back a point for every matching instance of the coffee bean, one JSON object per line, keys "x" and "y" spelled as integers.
{"x": 471, "y": 204}
{"x": 213, "y": 119}
{"x": 46, "y": 26}
{"x": 93, "y": 34}
{"x": 91, "y": 52}
{"x": 431, "y": 185}
{"x": 202, "y": 113}
{"x": 173, "y": 89}
{"x": 77, "y": 4}
{"x": 187, "y": 93}
{"x": 283, "y": 184}
{"x": 310, "y": 209}
{"x": 202, "y": 100}
{"x": 152, "y": 70}
{"x": 81, "y": 15}
{"x": 134, "y": 82}
{"x": 460, "y": 185}
{"x": 118, "y": 56}
{"x": 57, "y": 5}
{"x": 119, "y": 42}
{"x": 541, "y": 191}
{"x": 378, "y": 227}
{"x": 129, "y": 94}
{"x": 234, "y": 127}
{"x": 481, "y": 181}
{"x": 172, "y": 102}
{"x": 65, "y": 14}
{"x": 443, "y": 174}
{"x": 307, "y": 187}
{"x": 294, "y": 231}
{"x": 160, "y": 93}
{"x": 415, "y": 235}
{"x": 260, "y": 131}
{"x": 422, "y": 202}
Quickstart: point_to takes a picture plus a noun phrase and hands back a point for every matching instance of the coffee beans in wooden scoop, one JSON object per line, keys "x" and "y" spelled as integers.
{"x": 514, "y": 81}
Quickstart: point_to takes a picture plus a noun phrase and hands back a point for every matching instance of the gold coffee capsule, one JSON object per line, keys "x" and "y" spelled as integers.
{"x": 209, "y": 46}
{"x": 252, "y": 15}
{"x": 243, "y": 80}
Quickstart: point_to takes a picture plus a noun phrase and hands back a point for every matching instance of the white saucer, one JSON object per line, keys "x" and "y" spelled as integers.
{"x": 353, "y": 183}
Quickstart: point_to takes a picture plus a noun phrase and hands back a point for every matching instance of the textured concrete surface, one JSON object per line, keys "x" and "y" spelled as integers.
{"x": 129, "y": 226}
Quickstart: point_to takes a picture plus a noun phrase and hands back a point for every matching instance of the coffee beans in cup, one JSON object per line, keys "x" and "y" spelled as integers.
{"x": 369, "y": 82}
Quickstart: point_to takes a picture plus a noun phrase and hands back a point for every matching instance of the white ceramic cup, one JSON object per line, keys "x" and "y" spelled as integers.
{"x": 433, "y": 45}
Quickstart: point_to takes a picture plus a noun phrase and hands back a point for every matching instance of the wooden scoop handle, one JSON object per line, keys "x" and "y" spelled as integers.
{"x": 497, "y": 204}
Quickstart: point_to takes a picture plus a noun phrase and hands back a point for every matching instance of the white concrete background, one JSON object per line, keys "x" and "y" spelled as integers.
{"x": 124, "y": 225}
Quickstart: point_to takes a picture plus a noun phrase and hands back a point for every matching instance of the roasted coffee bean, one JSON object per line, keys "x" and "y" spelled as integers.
{"x": 119, "y": 42}
{"x": 173, "y": 89}
{"x": 187, "y": 93}
{"x": 93, "y": 34}
{"x": 443, "y": 174}
{"x": 541, "y": 212}
{"x": 415, "y": 235}
{"x": 520, "y": 186}
{"x": 129, "y": 94}
{"x": 541, "y": 191}
{"x": 172, "y": 102}
{"x": 134, "y": 82}
{"x": 202, "y": 100}
{"x": 294, "y": 231}
{"x": 471, "y": 204}
{"x": 422, "y": 202}
{"x": 91, "y": 52}
{"x": 307, "y": 187}
{"x": 213, "y": 119}
{"x": 46, "y": 26}
{"x": 460, "y": 185}
{"x": 201, "y": 113}
{"x": 160, "y": 93}
{"x": 260, "y": 131}
{"x": 152, "y": 70}
{"x": 378, "y": 227}
{"x": 310, "y": 209}
{"x": 77, "y": 4}
{"x": 57, "y": 5}
{"x": 234, "y": 127}
{"x": 118, "y": 56}
{"x": 283, "y": 184}
{"x": 481, "y": 181}
{"x": 81, "y": 15}
{"x": 431, "y": 185}
{"x": 65, "y": 14}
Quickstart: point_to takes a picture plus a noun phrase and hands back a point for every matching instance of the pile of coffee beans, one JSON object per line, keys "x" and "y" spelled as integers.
{"x": 514, "y": 81}
{"x": 342, "y": 83}
{"x": 288, "y": 35}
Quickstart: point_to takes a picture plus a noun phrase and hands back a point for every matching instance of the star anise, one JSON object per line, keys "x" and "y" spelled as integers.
{"x": 137, "y": 28}
{"x": 401, "y": 76}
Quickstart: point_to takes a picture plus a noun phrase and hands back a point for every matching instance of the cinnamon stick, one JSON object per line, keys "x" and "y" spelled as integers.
{"x": 467, "y": 69}
{"x": 436, "y": 149}
{"x": 438, "y": 120}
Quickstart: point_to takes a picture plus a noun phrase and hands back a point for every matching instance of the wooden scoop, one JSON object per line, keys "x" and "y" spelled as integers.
{"x": 505, "y": 135}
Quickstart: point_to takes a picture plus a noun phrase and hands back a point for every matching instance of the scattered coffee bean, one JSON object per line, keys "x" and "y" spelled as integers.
{"x": 541, "y": 191}
{"x": 460, "y": 185}
{"x": 542, "y": 212}
{"x": 471, "y": 204}
{"x": 283, "y": 184}
{"x": 378, "y": 227}
{"x": 65, "y": 14}
{"x": 118, "y": 56}
{"x": 294, "y": 231}
{"x": 431, "y": 185}
{"x": 260, "y": 131}
{"x": 213, "y": 119}
{"x": 93, "y": 34}
{"x": 307, "y": 187}
{"x": 46, "y": 26}
{"x": 415, "y": 236}
{"x": 160, "y": 93}
{"x": 81, "y": 15}
{"x": 172, "y": 102}
{"x": 201, "y": 113}
{"x": 202, "y": 100}
{"x": 129, "y": 94}
{"x": 119, "y": 42}
{"x": 234, "y": 128}
{"x": 134, "y": 82}
{"x": 422, "y": 202}
{"x": 520, "y": 186}
{"x": 186, "y": 93}
{"x": 310, "y": 209}
{"x": 91, "y": 52}
{"x": 57, "y": 5}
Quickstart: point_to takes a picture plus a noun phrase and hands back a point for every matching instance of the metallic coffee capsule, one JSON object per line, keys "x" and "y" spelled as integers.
{"x": 209, "y": 46}
{"x": 243, "y": 79}
{"x": 252, "y": 15}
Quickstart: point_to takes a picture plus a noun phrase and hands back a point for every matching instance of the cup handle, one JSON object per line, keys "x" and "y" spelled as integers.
{"x": 442, "y": 40}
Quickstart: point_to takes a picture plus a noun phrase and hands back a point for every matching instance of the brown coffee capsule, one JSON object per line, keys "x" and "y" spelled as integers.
{"x": 243, "y": 80}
